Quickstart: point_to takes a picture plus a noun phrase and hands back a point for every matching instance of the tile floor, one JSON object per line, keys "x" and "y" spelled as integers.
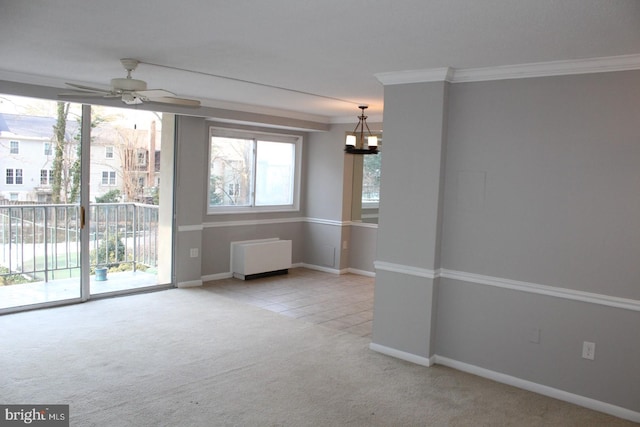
{"x": 343, "y": 302}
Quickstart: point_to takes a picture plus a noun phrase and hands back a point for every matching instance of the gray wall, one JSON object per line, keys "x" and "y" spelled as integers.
{"x": 540, "y": 232}
{"x": 190, "y": 183}
{"x": 362, "y": 249}
{"x": 325, "y": 174}
{"x": 318, "y": 230}
{"x": 410, "y": 219}
{"x": 491, "y": 327}
{"x": 216, "y": 242}
{"x": 543, "y": 186}
{"x": 411, "y": 178}
{"x": 547, "y": 171}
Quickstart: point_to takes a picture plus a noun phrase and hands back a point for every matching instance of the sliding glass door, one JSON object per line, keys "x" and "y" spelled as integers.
{"x": 125, "y": 203}
{"x": 40, "y": 212}
{"x": 80, "y": 211}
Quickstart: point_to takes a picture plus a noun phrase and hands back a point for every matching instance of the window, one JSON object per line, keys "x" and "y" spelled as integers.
{"x": 108, "y": 152}
{"x": 13, "y": 197}
{"x": 141, "y": 159}
{"x": 46, "y": 176}
{"x": 48, "y": 150}
{"x": 13, "y": 176}
{"x": 14, "y": 147}
{"x": 253, "y": 171}
{"x": 371, "y": 180}
{"x": 108, "y": 178}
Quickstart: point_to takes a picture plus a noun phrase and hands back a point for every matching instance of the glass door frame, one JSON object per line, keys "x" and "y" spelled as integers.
{"x": 85, "y": 174}
{"x": 83, "y": 284}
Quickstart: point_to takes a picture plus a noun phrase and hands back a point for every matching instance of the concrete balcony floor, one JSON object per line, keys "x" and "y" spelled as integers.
{"x": 68, "y": 289}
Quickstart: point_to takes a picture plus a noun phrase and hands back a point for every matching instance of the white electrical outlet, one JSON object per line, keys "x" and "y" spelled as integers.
{"x": 193, "y": 253}
{"x": 589, "y": 350}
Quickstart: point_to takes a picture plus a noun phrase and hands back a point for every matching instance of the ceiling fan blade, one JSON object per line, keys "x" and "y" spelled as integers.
{"x": 176, "y": 101}
{"x": 82, "y": 95}
{"x": 88, "y": 88}
{"x": 154, "y": 93}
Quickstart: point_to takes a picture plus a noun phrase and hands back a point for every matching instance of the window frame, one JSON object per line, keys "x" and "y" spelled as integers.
{"x": 370, "y": 204}
{"x": 14, "y": 147}
{"x": 108, "y": 152}
{"x": 48, "y": 149}
{"x": 109, "y": 175}
{"x": 141, "y": 157}
{"x": 14, "y": 176}
{"x": 46, "y": 177}
{"x": 292, "y": 138}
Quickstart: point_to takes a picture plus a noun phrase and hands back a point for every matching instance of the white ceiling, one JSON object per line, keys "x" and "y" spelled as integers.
{"x": 329, "y": 48}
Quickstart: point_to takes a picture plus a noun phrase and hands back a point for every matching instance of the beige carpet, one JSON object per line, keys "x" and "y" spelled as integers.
{"x": 187, "y": 357}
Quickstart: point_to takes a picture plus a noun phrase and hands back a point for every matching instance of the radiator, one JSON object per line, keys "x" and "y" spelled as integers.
{"x": 255, "y": 259}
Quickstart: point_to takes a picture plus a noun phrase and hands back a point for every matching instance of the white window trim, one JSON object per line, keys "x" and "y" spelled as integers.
{"x": 108, "y": 184}
{"x": 141, "y": 157}
{"x": 265, "y": 136}
{"x": 15, "y": 174}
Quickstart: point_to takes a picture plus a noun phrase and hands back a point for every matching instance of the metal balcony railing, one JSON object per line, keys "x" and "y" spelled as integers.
{"x": 42, "y": 242}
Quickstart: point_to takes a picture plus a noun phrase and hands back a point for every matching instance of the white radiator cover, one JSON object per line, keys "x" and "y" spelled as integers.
{"x": 257, "y": 257}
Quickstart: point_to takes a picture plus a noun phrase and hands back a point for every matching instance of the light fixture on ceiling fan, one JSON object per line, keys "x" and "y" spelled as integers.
{"x": 355, "y": 141}
{"x": 131, "y": 91}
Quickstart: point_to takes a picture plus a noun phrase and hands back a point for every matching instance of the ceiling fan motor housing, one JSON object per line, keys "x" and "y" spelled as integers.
{"x": 128, "y": 85}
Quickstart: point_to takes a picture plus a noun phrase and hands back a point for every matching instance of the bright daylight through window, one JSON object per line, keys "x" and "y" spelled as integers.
{"x": 371, "y": 180}
{"x": 250, "y": 171}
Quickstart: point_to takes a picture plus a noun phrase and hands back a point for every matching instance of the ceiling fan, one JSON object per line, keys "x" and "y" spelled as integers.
{"x": 131, "y": 91}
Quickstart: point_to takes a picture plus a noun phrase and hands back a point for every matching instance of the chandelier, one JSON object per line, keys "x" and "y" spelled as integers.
{"x": 355, "y": 143}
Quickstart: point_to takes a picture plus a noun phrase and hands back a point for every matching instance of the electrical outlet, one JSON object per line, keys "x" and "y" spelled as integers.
{"x": 589, "y": 350}
{"x": 193, "y": 252}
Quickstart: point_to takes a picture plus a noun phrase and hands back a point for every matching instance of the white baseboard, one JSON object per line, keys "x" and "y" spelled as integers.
{"x": 190, "y": 284}
{"x": 586, "y": 402}
{"x": 361, "y": 272}
{"x": 321, "y": 268}
{"x": 227, "y": 275}
{"x": 217, "y": 276}
{"x": 418, "y": 360}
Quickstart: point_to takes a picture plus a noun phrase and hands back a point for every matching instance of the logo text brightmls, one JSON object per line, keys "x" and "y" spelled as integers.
{"x": 37, "y": 415}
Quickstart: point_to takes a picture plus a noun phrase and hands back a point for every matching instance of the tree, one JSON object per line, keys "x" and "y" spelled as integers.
{"x": 66, "y": 163}
{"x": 75, "y": 170}
{"x": 59, "y": 171}
{"x": 134, "y": 161}
{"x": 112, "y": 196}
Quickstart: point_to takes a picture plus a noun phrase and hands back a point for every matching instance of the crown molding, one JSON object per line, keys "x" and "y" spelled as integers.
{"x": 415, "y": 76}
{"x": 518, "y": 71}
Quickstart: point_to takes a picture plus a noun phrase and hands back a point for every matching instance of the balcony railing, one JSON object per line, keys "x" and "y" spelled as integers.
{"x": 42, "y": 242}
